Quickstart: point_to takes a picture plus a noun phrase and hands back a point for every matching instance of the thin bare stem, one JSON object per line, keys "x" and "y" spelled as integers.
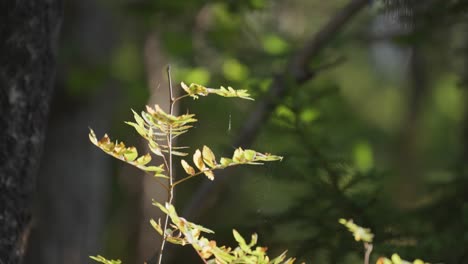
{"x": 204, "y": 261}
{"x": 165, "y": 162}
{"x": 180, "y": 97}
{"x": 170, "y": 192}
{"x": 188, "y": 177}
{"x": 171, "y": 92}
{"x": 368, "y": 247}
{"x": 210, "y": 169}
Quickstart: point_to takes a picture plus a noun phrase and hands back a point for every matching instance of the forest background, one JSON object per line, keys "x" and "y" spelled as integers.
{"x": 366, "y": 101}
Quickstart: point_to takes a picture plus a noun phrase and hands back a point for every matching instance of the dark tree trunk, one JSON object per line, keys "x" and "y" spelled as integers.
{"x": 28, "y": 32}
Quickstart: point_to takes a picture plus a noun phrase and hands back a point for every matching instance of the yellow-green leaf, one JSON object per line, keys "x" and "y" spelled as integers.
{"x": 143, "y": 160}
{"x": 188, "y": 169}
{"x": 157, "y": 169}
{"x": 139, "y": 128}
{"x": 396, "y": 259}
{"x": 225, "y": 161}
{"x": 209, "y": 157}
{"x": 198, "y": 161}
{"x": 138, "y": 119}
{"x": 130, "y": 154}
{"x": 249, "y": 154}
{"x": 238, "y": 155}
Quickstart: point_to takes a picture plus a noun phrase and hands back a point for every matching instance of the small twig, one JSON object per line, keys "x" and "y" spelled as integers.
{"x": 204, "y": 261}
{"x": 180, "y": 97}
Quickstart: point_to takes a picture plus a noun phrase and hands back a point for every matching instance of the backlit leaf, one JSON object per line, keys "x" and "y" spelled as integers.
{"x": 249, "y": 154}
{"x": 139, "y": 129}
{"x": 143, "y": 160}
{"x": 92, "y": 137}
{"x": 198, "y": 161}
{"x": 225, "y": 161}
{"x": 130, "y": 154}
{"x": 238, "y": 155}
{"x": 188, "y": 169}
{"x": 209, "y": 174}
{"x": 209, "y": 157}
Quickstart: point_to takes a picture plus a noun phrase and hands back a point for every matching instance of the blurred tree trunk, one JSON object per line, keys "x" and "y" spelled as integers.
{"x": 28, "y": 31}
{"x": 74, "y": 177}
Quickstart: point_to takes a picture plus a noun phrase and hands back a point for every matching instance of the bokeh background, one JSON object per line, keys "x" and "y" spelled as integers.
{"x": 373, "y": 126}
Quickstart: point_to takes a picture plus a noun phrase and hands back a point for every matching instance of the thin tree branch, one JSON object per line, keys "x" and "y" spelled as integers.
{"x": 297, "y": 71}
{"x": 170, "y": 191}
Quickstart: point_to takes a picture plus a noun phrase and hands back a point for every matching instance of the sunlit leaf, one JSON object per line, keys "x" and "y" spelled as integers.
{"x": 267, "y": 157}
{"x": 225, "y": 161}
{"x": 209, "y": 174}
{"x": 396, "y": 259}
{"x": 194, "y": 90}
{"x": 143, "y": 160}
{"x": 188, "y": 169}
{"x": 230, "y": 92}
{"x": 238, "y": 155}
{"x": 104, "y": 260}
{"x": 249, "y": 154}
{"x": 359, "y": 233}
{"x": 92, "y": 137}
{"x": 140, "y": 129}
{"x": 130, "y": 154}
{"x": 198, "y": 161}
{"x": 179, "y": 153}
{"x": 241, "y": 241}
{"x": 209, "y": 157}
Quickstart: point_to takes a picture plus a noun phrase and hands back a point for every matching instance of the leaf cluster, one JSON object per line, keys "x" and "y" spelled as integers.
{"x": 159, "y": 128}
{"x": 183, "y": 233}
{"x": 205, "y": 160}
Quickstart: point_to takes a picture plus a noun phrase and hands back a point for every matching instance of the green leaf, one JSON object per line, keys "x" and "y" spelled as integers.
{"x": 104, "y": 260}
{"x": 243, "y": 245}
{"x": 139, "y": 129}
{"x": 249, "y": 154}
{"x": 238, "y": 155}
{"x": 359, "y": 232}
{"x": 225, "y": 162}
{"x": 156, "y": 169}
{"x": 230, "y": 92}
{"x": 194, "y": 90}
{"x": 396, "y": 259}
{"x": 143, "y": 160}
{"x": 130, "y": 154}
